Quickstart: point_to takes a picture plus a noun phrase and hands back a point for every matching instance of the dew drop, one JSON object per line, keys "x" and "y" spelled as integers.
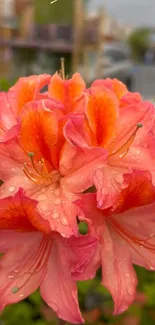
{"x": 64, "y": 221}
{"x": 11, "y": 188}
{"x": 43, "y": 207}
{"x": 55, "y": 215}
{"x": 63, "y": 234}
{"x": 21, "y": 295}
{"x": 11, "y": 276}
{"x": 57, "y": 192}
{"x": 16, "y": 271}
{"x": 15, "y": 290}
{"x": 42, "y": 197}
{"x": 57, "y": 201}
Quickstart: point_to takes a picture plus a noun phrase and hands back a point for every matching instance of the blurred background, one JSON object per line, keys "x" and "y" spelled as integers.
{"x": 98, "y": 38}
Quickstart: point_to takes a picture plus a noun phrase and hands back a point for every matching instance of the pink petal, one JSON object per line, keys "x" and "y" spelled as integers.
{"x": 137, "y": 227}
{"x": 80, "y": 165}
{"x": 12, "y": 159}
{"x": 118, "y": 275}
{"x": 108, "y": 182}
{"x": 55, "y": 205}
{"x": 89, "y": 269}
{"x": 17, "y": 281}
{"x": 114, "y": 84}
{"x": 90, "y": 213}
{"x": 130, "y": 98}
{"x": 81, "y": 252}
{"x": 7, "y": 114}
{"x": 58, "y": 289}
{"x": 10, "y": 239}
{"x": 79, "y": 160}
{"x": 130, "y": 116}
{"x": 77, "y": 131}
{"x": 136, "y": 158}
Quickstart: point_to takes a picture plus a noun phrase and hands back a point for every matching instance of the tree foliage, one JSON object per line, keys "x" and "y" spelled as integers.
{"x": 139, "y": 41}
{"x": 60, "y": 11}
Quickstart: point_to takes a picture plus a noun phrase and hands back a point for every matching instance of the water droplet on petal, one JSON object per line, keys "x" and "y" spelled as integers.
{"x": 42, "y": 197}
{"x": 21, "y": 295}
{"x": 127, "y": 275}
{"x": 11, "y": 276}
{"x": 57, "y": 201}
{"x": 63, "y": 234}
{"x": 57, "y": 192}
{"x": 11, "y": 188}
{"x": 64, "y": 221}
{"x": 55, "y": 215}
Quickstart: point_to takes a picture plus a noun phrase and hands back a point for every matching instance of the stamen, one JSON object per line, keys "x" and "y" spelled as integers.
{"x": 42, "y": 173}
{"x": 126, "y": 146}
{"x": 44, "y": 168}
{"x": 34, "y": 178}
{"x": 62, "y": 60}
{"x": 31, "y": 155}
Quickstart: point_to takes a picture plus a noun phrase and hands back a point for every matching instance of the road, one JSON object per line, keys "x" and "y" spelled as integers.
{"x": 144, "y": 80}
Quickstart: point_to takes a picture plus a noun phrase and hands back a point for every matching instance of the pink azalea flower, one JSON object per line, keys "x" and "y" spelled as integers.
{"x": 50, "y": 171}
{"x": 36, "y": 257}
{"x": 124, "y": 131}
{"x": 126, "y": 233}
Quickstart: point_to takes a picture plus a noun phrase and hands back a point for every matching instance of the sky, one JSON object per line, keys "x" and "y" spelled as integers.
{"x": 132, "y": 12}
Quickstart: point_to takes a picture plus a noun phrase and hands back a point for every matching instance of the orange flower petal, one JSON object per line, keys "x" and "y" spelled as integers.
{"x": 102, "y": 112}
{"x": 39, "y": 131}
{"x": 139, "y": 191}
{"x": 66, "y": 91}
{"x": 19, "y": 213}
{"x": 27, "y": 88}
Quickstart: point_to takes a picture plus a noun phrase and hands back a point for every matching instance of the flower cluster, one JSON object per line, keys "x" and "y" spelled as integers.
{"x": 70, "y": 154}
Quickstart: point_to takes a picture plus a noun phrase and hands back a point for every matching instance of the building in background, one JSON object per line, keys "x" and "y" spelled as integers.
{"x": 28, "y": 28}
